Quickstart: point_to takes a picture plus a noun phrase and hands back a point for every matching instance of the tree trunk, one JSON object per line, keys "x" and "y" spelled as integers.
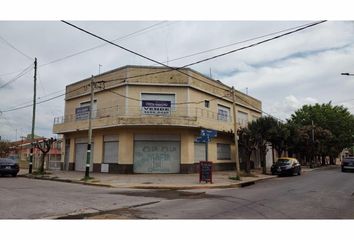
{"x": 264, "y": 169}
{"x": 248, "y": 163}
{"x": 323, "y": 160}
{"x": 263, "y": 155}
{"x": 279, "y": 152}
{"x": 41, "y": 168}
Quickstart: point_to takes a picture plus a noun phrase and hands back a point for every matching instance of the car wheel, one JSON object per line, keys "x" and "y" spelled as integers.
{"x": 299, "y": 173}
{"x": 14, "y": 174}
{"x": 343, "y": 170}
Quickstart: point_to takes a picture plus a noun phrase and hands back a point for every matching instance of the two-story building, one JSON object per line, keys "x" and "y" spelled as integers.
{"x": 147, "y": 119}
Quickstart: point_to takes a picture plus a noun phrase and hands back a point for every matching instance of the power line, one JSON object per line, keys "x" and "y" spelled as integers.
{"x": 16, "y": 49}
{"x": 47, "y": 100}
{"x": 104, "y": 44}
{"x": 131, "y": 51}
{"x": 95, "y": 47}
{"x": 302, "y": 27}
{"x": 236, "y": 43}
{"x": 119, "y": 46}
{"x": 23, "y": 72}
{"x": 181, "y": 103}
{"x": 255, "y": 44}
{"x": 207, "y": 59}
{"x": 128, "y": 50}
{"x": 38, "y": 98}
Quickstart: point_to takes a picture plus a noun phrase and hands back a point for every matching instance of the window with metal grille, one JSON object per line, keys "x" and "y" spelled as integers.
{"x": 206, "y": 103}
{"x": 242, "y": 118}
{"x": 223, "y": 151}
{"x": 223, "y": 113}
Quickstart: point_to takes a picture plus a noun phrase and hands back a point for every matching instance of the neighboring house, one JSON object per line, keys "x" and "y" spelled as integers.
{"x": 21, "y": 151}
{"x": 145, "y": 122}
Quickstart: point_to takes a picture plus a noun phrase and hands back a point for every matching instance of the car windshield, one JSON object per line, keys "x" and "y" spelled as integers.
{"x": 350, "y": 159}
{"x": 284, "y": 161}
{"x": 6, "y": 161}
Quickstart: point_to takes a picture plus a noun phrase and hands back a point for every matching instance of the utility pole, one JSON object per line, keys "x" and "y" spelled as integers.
{"x": 33, "y": 115}
{"x": 235, "y": 135}
{"x": 88, "y": 156}
{"x": 313, "y": 141}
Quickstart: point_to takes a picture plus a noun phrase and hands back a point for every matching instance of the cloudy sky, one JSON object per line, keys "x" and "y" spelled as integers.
{"x": 302, "y": 68}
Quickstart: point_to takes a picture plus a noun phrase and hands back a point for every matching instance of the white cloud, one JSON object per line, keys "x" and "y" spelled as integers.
{"x": 283, "y": 109}
{"x": 283, "y": 74}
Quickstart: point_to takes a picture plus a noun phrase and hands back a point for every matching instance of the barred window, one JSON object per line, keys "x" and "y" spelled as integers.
{"x": 223, "y": 151}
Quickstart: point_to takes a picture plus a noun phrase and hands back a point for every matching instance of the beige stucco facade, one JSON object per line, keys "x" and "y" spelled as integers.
{"x": 197, "y": 102}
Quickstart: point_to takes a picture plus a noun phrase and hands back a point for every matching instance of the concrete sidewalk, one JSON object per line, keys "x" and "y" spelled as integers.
{"x": 153, "y": 181}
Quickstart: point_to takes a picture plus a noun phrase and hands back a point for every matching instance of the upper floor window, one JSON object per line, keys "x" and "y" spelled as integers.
{"x": 206, "y": 103}
{"x": 254, "y": 118}
{"x": 157, "y": 103}
{"x": 242, "y": 118}
{"x": 223, "y": 113}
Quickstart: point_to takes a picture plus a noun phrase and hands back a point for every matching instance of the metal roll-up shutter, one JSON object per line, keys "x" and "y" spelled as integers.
{"x": 81, "y": 154}
{"x": 111, "y": 149}
{"x": 157, "y": 153}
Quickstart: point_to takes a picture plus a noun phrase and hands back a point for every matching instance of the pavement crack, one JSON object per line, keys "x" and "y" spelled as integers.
{"x": 119, "y": 213}
{"x": 143, "y": 204}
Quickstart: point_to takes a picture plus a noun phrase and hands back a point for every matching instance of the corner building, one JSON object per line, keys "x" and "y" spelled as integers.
{"x": 147, "y": 119}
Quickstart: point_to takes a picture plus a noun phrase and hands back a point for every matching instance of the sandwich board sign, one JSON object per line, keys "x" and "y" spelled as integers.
{"x": 205, "y": 171}
{"x": 206, "y": 167}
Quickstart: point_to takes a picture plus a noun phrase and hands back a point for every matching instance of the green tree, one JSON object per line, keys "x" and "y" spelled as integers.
{"x": 279, "y": 136}
{"x": 248, "y": 142}
{"x": 336, "y": 119}
{"x": 262, "y": 130}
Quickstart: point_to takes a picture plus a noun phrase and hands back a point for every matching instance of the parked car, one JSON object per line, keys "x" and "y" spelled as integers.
{"x": 286, "y": 166}
{"x": 8, "y": 166}
{"x": 347, "y": 164}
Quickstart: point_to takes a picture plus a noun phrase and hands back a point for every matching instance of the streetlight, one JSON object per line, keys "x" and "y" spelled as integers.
{"x": 347, "y": 74}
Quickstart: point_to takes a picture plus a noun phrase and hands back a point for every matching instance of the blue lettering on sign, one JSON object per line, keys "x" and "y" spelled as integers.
{"x": 156, "y": 107}
{"x": 202, "y": 139}
{"x": 209, "y": 133}
{"x": 82, "y": 113}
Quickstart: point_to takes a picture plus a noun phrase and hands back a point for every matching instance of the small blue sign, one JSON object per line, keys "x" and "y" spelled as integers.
{"x": 202, "y": 139}
{"x": 209, "y": 133}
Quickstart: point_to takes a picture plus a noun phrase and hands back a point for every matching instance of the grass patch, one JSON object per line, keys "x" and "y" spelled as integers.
{"x": 235, "y": 178}
{"x": 242, "y": 174}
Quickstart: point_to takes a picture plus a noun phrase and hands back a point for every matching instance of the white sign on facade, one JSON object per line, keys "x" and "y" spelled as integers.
{"x": 156, "y": 107}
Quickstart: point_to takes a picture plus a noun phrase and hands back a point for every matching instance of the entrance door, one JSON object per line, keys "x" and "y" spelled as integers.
{"x": 157, "y": 154}
{"x": 81, "y": 155}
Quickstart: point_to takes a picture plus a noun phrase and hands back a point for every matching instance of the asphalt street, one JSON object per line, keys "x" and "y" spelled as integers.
{"x": 320, "y": 194}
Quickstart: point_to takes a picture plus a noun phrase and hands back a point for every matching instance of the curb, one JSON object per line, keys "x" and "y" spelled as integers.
{"x": 186, "y": 187}
{"x": 66, "y": 180}
{"x": 139, "y": 186}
